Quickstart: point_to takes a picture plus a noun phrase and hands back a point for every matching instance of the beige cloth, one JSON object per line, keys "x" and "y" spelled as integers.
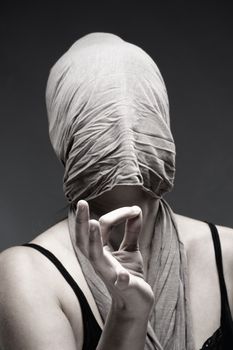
{"x": 108, "y": 117}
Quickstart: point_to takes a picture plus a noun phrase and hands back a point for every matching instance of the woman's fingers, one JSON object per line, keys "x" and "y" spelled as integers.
{"x": 114, "y": 218}
{"x": 133, "y": 228}
{"x": 82, "y": 226}
{"x": 103, "y": 262}
{"x": 95, "y": 242}
{"x": 90, "y": 234}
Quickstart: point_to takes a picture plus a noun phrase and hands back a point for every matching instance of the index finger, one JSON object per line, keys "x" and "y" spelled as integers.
{"x": 116, "y": 217}
{"x": 82, "y": 225}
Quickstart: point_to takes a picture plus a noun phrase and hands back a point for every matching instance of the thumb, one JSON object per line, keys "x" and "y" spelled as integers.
{"x": 123, "y": 279}
{"x": 133, "y": 229}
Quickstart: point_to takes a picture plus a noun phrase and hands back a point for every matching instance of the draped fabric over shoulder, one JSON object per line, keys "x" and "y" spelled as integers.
{"x": 109, "y": 124}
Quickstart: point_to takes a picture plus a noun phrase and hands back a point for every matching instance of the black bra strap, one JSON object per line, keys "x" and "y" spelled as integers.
{"x": 63, "y": 271}
{"x": 86, "y": 310}
{"x": 225, "y": 308}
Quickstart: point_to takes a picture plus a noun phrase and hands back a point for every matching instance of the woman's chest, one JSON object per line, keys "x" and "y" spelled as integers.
{"x": 204, "y": 289}
{"x": 204, "y": 298}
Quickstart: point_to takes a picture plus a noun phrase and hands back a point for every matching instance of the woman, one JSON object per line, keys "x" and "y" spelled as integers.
{"x": 139, "y": 276}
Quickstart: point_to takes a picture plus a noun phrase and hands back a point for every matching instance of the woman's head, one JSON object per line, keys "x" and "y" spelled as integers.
{"x": 108, "y": 115}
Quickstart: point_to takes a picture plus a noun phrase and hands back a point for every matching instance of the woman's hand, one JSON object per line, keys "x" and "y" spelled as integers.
{"x": 121, "y": 270}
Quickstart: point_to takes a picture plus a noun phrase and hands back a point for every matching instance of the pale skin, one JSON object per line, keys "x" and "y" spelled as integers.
{"x": 39, "y": 310}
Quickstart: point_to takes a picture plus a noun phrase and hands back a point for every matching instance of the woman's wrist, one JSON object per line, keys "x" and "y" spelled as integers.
{"x": 124, "y": 330}
{"x": 124, "y": 311}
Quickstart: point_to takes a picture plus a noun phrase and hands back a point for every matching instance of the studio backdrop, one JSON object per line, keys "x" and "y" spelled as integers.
{"x": 192, "y": 44}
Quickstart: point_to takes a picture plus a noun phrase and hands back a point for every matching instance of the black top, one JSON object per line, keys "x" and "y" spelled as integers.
{"x": 222, "y": 339}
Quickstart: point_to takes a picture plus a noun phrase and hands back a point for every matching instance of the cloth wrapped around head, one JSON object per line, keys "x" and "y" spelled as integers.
{"x": 109, "y": 118}
{"x": 109, "y": 125}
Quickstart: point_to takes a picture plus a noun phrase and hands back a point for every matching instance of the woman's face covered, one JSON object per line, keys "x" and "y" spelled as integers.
{"x": 108, "y": 116}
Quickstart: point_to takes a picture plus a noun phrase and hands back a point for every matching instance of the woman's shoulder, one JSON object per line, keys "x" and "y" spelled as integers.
{"x": 30, "y": 290}
{"x": 202, "y": 265}
{"x": 19, "y": 262}
{"x": 37, "y": 269}
{"x": 33, "y": 269}
{"x": 197, "y": 238}
{"x": 193, "y": 229}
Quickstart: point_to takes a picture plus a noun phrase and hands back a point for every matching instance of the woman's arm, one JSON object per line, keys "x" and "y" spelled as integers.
{"x": 30, "y": 315}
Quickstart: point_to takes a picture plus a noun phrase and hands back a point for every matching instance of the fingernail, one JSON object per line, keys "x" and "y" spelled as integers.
{"x": 136, "y": 209}
{"x": 79, "y": 206}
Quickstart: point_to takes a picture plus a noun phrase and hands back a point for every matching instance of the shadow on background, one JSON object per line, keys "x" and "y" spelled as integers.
{"x": 192, "y": 45}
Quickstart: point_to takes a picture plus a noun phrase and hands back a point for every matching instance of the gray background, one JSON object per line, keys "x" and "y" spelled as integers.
{"x": 193, "y": 48}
